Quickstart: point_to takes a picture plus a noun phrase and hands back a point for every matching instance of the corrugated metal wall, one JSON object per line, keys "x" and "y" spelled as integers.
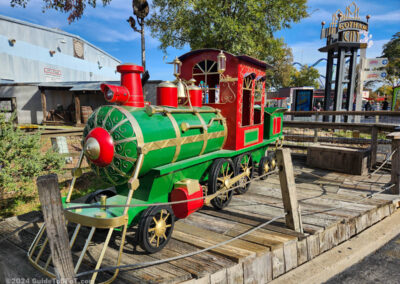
{"x": 25, "y": 55}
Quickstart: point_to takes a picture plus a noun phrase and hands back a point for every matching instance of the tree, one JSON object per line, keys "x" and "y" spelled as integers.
{"x": 237, "y": 26}
{"x": 282, "y": 62}
{"x": 391, "y": 50}
{"x": 75, "y": 8}
{"x": 306, "y": 76}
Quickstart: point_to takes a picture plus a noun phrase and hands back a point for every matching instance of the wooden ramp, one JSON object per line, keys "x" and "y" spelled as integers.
{"x": 333, "y": 210}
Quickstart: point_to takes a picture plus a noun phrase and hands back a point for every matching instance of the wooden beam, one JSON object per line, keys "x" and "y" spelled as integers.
{"x": 395, "y": 173}
{"x": 342, "y": 112}
{"x": 44, "y": 106}
{"x": 288, "y": 188}
{"x": 362, "y": 127}
{"x": 374, "y": 145}
{"x": 50, "y": 199}
{"x": 77, "y": 108}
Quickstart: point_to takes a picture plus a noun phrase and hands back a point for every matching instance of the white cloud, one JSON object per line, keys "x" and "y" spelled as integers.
{"x": 114, "y": 35}
{"x": 393, "y": 16}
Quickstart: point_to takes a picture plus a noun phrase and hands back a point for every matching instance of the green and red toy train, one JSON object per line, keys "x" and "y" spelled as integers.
{"x": 192, "y": 147}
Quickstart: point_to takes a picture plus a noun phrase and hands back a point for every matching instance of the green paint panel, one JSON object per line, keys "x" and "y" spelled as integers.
{"x": 251, "y": 136}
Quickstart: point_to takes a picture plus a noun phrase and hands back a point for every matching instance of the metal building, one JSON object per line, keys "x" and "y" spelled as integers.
{"x": 34, "y": 53}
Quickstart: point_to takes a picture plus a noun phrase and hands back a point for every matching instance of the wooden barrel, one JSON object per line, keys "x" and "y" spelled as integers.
{"x": 86, "y": 111}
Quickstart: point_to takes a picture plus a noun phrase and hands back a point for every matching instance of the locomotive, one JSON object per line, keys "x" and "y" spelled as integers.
{"x": 166, "y": 161}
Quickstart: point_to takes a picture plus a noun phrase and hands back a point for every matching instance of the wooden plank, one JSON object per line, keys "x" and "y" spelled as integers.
{"x": 237, "y": 255}
{"x": 53, "y": 213}
{"x": 258, "y": 270}
{"x": 250, "y": 219}
{"x": 374, "y": 145}
{"x": 14, "y": 265}
{"x": 234, "y": 274}
{"x": 288, "y": 187}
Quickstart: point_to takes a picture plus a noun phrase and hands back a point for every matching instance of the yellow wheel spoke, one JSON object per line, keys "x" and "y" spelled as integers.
{"x": 152, "y": 229}
{"x": 166, "y": 217}
{"x": 221, "y": 179}
{"x": 158, "y": 241}
{"x": 155, "y": 220}
{"x": 167, "y": 226}
{"x": 165, "y": 237}
{"x": 152, "y": 238}
{"x": 162, "y": 212}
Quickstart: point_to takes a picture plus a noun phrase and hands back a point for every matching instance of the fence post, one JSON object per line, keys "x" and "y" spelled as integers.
{"x": 50, "y": 199}
{"x": 374, "y": 145}
{"x": 395, "y": 172}
{"x": 288, "y": 188}
{"x": 316, "y": 130}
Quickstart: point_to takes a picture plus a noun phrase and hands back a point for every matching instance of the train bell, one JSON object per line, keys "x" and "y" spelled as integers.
{"x": 181, "y": 90}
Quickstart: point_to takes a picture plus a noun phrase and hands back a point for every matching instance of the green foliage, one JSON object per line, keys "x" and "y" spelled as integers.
{"x": 307, "y": 76}
{"x": 391, "y": 50}
{"x": 237, "y": 26}
{"x": 21, "y": 159}
{"x": 280, "y": 75}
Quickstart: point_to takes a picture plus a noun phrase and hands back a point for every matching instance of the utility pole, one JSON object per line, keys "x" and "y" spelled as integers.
{"x": 140, "y": 10}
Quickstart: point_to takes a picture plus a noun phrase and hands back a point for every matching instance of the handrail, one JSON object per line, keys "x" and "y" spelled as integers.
{"x": 343, "y": 112}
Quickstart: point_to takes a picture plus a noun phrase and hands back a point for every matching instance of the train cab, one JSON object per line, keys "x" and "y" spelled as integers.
{"x": 236, "y": 86}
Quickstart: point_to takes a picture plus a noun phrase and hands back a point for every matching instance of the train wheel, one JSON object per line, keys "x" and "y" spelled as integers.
{"x": 95, "y": 196}
{"x": 242, "y": 163}
{"x": 155, "y": 228}
{"x": 272, "y": 156}
{"x": 221, "y": 170}
{"x": 264, "y": 166}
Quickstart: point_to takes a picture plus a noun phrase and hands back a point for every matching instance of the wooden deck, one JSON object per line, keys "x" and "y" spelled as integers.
{"x": 258, "y": 257}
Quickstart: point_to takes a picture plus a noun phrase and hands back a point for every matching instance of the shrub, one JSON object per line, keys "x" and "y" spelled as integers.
{"x": 21, "y": 158}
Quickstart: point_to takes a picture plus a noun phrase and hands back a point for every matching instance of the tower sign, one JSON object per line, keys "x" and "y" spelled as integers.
{"x": 343, "y": 40}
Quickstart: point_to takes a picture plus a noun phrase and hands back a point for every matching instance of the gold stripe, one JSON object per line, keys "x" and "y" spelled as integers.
{"x": 118, "y": 125}
{"x": 124, "y": 140}
{"x": 99, "y": 223}
{"x": 205, "y": 140}
{"x": 107, "y": 115}
{"x": 178, "y": 136}
{"x": 118, "y": 170}
{"x": 152, "y": 146}
{"x": 135, "y": 125}
{"x": 95, "y": 117}
{"x": 125, "y": 158}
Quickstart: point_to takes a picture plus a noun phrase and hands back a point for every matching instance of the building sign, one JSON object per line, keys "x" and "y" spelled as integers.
{"x": 374, "y": 63}
{"x": 375, "y": 75}
{"x": 303, "y": 100}
{"x": 351, "y": 25}
{"x": 347, "y": 26}
{"x": 52, "y": 74}
{"x": 396, "y": 99}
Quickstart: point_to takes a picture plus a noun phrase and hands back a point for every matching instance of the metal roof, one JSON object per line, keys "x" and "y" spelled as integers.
{"x": 57, "y": 31}
{"x": 76, "y": 86}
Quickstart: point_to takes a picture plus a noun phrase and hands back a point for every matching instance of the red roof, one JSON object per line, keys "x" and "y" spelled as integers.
{"x": 246, "y": 58}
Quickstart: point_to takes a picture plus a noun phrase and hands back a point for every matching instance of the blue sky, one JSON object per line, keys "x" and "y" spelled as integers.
{"x": 107, "y": 28}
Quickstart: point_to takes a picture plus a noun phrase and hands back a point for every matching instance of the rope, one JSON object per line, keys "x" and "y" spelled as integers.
{"x": 384, "y": 162}
{"x": 149, "y": 263}
{"x": 171, "y": 202}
